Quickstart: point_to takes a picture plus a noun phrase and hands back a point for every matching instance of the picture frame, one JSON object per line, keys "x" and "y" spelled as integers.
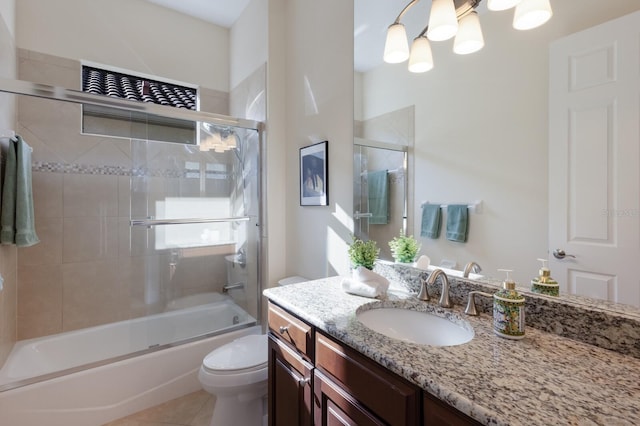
{"x": 314, "y": 174}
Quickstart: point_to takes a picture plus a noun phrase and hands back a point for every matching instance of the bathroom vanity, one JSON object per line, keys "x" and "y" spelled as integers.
{"x": 325, "y": 367}
{"x": 309, "y": 368}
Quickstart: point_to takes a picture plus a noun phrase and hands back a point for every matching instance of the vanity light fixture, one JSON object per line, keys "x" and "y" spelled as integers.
{"x": 449, "y": 18}
{"x": 218, "y": 139}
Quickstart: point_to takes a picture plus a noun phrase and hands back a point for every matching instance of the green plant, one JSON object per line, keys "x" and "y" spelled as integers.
{"x": 363, "y": 253}
{"x": 404, "y": 248}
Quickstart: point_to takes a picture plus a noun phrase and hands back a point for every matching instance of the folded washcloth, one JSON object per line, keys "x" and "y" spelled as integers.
{"x": 423, "y": 262}
{"x": 378, "y": 190}
{"x": 17, "y": 220}
{"x": 365, "y": 275}
{"x": 457, "y": 222}
{"x": 431, "y": 218}
{"x": 360, "y": 288}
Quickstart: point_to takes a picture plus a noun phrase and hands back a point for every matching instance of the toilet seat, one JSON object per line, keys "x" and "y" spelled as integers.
{"x": 241, "y": 362}
{"x": 248, "y": 353}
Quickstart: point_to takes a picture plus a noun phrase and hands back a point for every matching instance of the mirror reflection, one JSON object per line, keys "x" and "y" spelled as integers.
{"x": 486, "y": 129}
{"x": 379, "y": 192}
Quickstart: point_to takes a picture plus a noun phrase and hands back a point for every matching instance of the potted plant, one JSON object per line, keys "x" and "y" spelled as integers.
{"x": 363, "y": 253}
{"x": 404, "y": 248}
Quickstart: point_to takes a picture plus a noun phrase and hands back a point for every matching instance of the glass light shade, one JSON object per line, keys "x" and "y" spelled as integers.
{"x": 421, "y": 59}
{"x": 531, "y": 14}
{"x": 501, "y": 4}
{"x": 443, "y": 23}
{"x": 469, "y": 38}
{"x": 396, "y": 48}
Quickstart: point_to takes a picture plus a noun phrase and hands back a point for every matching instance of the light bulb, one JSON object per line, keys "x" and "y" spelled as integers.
{"x": 396, "y": 48}
{"x": 501, "y": 4}
{"x": 531, "y": 14}
{"x": 469, "y": 38}
{"x": 443, "y": 23}
{"x": 421, "y": 58}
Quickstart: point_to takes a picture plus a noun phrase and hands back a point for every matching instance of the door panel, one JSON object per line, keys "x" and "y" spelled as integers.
{"x": 594, "y": 160}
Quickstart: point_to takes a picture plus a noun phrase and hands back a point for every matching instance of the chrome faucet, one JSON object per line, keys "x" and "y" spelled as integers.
{"x": 471, "y": 267}
{"x": 445, "y": 302}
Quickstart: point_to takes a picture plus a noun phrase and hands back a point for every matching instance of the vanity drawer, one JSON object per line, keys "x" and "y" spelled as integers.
{"x": 290, "y": 329}
{"x": 385, "y": 394}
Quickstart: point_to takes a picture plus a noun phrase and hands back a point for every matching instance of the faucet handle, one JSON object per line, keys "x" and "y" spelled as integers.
{"x": 471, "y": 303}
{"x": 424, "y": 293}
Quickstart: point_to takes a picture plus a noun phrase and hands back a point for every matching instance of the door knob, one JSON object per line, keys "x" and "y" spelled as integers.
{"x": 560, "y": 254}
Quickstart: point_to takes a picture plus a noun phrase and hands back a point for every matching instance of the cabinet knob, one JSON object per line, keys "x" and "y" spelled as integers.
{"x": 283, "y": 329}
{"x": 305, "y": 381}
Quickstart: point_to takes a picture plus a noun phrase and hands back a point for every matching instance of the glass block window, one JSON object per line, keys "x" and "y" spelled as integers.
{"x": 125, "y": 86}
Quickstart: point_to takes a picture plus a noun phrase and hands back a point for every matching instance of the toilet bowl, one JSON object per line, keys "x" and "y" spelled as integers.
{"x": 236, "y": 373}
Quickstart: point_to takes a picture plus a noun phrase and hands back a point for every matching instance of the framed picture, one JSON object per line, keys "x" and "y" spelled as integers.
{"x": 314, "y": 175}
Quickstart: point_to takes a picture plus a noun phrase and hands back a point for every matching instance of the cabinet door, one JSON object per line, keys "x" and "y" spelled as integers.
{"x": 388, "y": 396}
{"x": 333, "y": 406}
{"x": 289, "y": 400}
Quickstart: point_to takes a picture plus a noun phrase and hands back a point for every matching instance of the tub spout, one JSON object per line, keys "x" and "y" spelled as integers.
{"x": 227, "y": 287}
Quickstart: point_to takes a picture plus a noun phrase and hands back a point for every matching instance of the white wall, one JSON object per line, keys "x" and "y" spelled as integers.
{"x": 276, "y": 133}
{"x": 248, "y": 41}
{"x": 319, "y": 103}
{"x": 7, "y": 10}
{"x": 481, "y": 133}
{"x": 164, "y": 43}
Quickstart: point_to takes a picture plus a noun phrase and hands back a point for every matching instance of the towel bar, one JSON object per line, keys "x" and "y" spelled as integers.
{"x": 156, "y": 222}
{"x": 475, "y": 207}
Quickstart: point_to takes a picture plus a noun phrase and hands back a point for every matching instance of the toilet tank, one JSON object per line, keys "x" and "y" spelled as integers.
{"x": 292, "y": 280}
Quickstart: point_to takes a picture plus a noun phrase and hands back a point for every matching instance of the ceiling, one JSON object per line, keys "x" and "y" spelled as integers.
{"x": 220, "y": 12}
{"x": 372, "y": 17}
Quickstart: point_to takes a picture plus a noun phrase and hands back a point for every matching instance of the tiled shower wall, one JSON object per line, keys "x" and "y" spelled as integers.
{"x": 91, "y": 267}
{"x": 8, "y": 254}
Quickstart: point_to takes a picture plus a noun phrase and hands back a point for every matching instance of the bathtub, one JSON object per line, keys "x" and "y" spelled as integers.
{"x": 91, "y": 378}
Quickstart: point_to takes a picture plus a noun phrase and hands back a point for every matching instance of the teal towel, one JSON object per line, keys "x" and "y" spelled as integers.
{"x": 457, "y": 222}
{"x": 378, "y": 187}
{"x": 431, "y": 218}
{"x": 17, "y": 224}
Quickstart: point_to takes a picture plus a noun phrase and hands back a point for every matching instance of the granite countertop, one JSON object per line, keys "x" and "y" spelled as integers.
{"x": 542, "y": 379}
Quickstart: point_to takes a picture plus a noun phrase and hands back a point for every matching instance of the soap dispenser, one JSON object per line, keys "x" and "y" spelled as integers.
{"x": 508, "y": 310}
{"x": 544, "y": 284}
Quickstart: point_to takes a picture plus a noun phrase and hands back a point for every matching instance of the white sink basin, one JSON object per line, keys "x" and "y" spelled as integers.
{"x": 423, "y": 328}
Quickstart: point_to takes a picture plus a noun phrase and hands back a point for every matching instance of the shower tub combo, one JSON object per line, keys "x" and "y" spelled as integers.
{"x": 190, "y": 208}
{"x": 114, "y": 388}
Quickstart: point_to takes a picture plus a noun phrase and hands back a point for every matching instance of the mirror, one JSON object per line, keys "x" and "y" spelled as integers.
{"x": 382, "y": 177}
{"x": 481, "y": 126}
{"x": 379, "y": 192}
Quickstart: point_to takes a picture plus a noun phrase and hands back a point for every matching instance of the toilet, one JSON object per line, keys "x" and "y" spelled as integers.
{"x": 236, "y": 373}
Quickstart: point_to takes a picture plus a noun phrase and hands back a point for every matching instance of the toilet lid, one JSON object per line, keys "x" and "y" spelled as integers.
{"x": 243, "y": 353}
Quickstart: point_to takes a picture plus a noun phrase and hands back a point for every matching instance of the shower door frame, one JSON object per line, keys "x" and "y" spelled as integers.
{"x": 27, "y": 88}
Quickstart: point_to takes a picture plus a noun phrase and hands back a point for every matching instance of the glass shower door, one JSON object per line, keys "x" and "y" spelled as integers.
{"x": 194, "y": 222}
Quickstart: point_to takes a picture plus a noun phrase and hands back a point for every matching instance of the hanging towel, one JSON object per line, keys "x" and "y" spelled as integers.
{"x": 457, "y": 222}
{"x": 17, "y": 224}
{"x": 378, "y": 186}
{"x": 431, "y": 218}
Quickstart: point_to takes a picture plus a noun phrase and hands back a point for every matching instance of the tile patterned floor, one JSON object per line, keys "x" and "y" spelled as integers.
{"x": 194, "y": 409}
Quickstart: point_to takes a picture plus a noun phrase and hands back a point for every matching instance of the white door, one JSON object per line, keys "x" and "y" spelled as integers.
{"x": 594, "y": 161}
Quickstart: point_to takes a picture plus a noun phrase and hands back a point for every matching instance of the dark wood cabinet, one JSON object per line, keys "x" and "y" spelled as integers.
{"x": 437, "y": 413}
{"x": 315, "y": 379}
{"x": 290, "y": 392}
{"x": 334, "y": 406}
{"x": 384, "y": 394}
